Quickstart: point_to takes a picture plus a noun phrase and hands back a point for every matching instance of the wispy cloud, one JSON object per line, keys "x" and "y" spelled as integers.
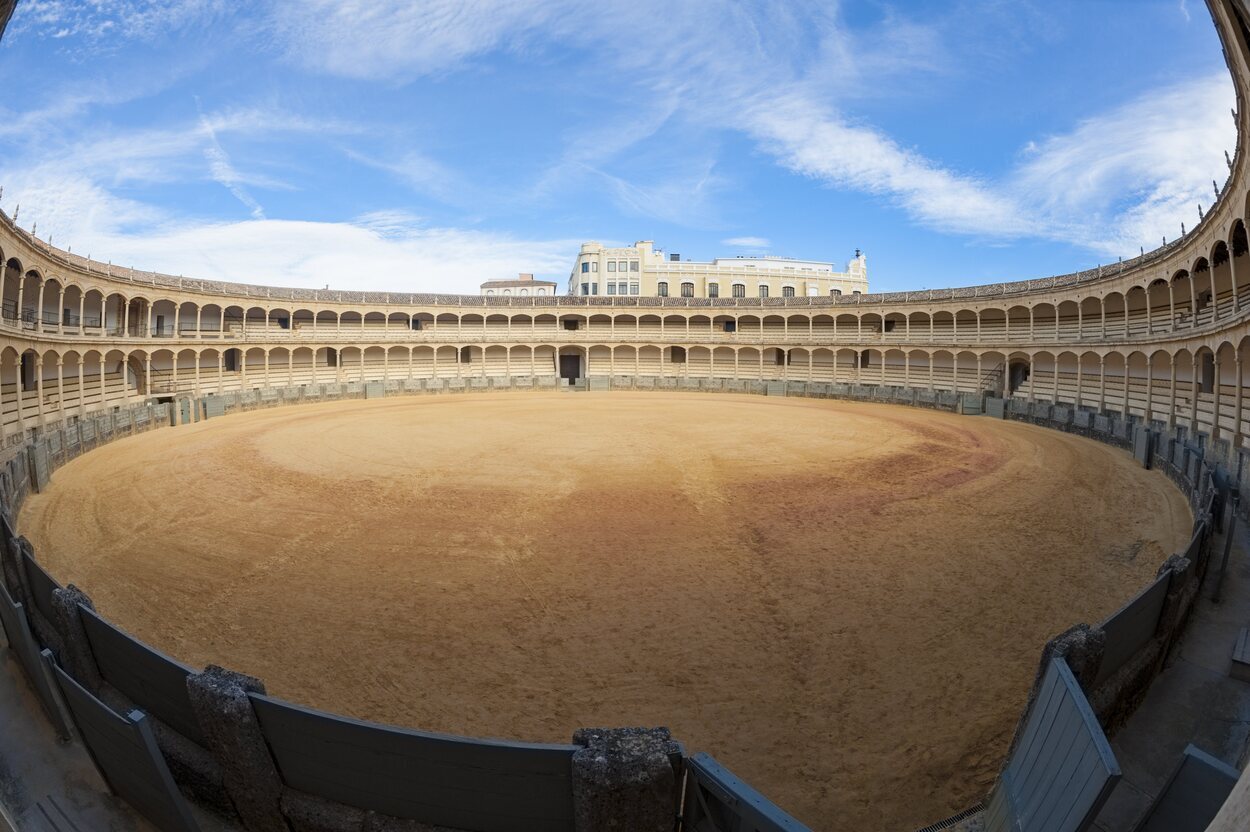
{"x": 384, "y": 251}
{"x": 223, "y": 171}
{"x": 747, "y": 242}
{"x": 782, "y": 74}
{"x": 393, "y": 39}
{"x": 107, "y": 23}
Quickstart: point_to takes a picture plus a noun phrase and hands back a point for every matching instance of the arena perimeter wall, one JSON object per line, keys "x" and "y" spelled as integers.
{"x": 273, "y": 765}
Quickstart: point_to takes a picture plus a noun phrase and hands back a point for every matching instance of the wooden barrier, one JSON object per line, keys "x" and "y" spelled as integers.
{"x": 40, "y": 586}
{"x": 1061, "y": 770}
{"x": 152, "y": 680}
{"x": 1133, "y": 626}
{"x": 125, "y": 753}
{"x": 435, "y": 779}
{"x": 26, "y": 650}
{"x": 1194, "y": 793}
{"x": 717, "y": 801}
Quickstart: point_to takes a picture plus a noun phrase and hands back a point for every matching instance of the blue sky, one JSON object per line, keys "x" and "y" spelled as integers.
{"x": 419, "y": 146}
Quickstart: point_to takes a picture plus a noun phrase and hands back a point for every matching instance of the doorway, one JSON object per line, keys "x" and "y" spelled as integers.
{"x": 570, "y": 367}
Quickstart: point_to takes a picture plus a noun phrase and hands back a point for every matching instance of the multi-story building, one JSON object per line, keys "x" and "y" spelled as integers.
{"x": 642, "y": 269}
{"x": 524, "y": 286}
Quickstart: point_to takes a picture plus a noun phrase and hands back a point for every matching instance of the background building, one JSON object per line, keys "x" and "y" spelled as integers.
{"x": 523, "y": 286}
{"x": 642, "y": 269}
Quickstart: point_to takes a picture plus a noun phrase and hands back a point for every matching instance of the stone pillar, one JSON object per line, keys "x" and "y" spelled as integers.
{"x": 623, "y": 779}
{"x": 1180, "y": 597}
{"x": 12, "y": 570}
{"x": 1082, "y": 647}
{"x": 75, "y": 655}
{"x": 219, "y": 699}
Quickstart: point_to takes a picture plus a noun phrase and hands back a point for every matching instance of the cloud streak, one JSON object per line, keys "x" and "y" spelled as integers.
{"x": 775, "y": 72}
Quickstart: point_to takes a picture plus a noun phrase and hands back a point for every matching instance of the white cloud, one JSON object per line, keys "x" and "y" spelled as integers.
{"x": 777, "y": 71}
{"x": 384, "y": 251}
{"x": 1130, "y": 176}
{"x": 385, "y": 40}
{"x": 746, "y": 242}
{"x": 380, "y": 252}
{"x": 223, "y": 171}
{"x": 111, "y": 21}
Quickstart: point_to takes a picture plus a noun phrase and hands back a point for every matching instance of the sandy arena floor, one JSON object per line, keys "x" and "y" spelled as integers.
{"x": 844, "y": 603}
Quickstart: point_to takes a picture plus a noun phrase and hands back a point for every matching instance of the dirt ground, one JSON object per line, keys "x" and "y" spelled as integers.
{"x": 844, "y": 603}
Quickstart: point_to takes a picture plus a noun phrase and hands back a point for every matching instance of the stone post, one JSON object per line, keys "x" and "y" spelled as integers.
{"x": 1082, "y": 647}
{"x": 1179, "y": 599}
{"x": 219, "y": 699}
{"x": 12, "y": 570}
{"x": 75, "y": 655}
{"x": 623, "y": 779}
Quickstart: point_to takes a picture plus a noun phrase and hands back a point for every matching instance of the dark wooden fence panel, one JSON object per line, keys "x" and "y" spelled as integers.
{"x": 1193, "y": 795}
{"x": 41, "y": 586}
{"x": 1129, "y": 629}
{"x": 1062, "y": 769}
{"x": 22, "y": 643}
{"x": 150, "y": 679}
{"x": 125, "y": 753}
{"x": 717, "y": 801}
{"x": 436, "y": 779}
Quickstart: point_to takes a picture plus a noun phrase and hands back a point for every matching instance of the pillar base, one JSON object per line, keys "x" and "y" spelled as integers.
{"x": 623, "y": 779}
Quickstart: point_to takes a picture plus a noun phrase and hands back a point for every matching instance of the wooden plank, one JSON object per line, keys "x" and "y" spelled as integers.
{"x": 1062, "y": 769}
{"x": 26, "y": 649}
{"x": 1133, "y": 626}
{"x": 1193, "y": 795}
{"x": 125, "y": 753}
{"x": 436, "y": 779}
{"x": 717, "y": 801}
{"x": 41, "y": 586}
{"x": 152, "y": 680}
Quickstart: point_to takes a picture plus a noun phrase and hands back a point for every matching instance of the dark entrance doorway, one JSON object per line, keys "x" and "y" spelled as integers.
{"x": 570, "y": 367}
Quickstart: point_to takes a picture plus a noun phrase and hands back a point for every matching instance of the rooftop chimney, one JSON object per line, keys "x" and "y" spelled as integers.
{"x": 524, "y": 276}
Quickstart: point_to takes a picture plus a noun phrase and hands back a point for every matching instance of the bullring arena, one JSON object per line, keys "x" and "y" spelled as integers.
{"x": 524, "y": 589}
{"x": 872, "y": 561}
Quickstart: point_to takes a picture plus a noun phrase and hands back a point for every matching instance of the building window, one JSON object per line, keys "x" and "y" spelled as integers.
{"x": 542, "y": 291}
{"x": 594, "y": 288}
{"x": 611, "y": 288}
{"x": 585, "y": 268}
{"x": 594, "y": 267}
{"x": 812, "y": 291}
{"x": 633, "y": 288}
{"x": 837, "y": 293}
{"x": 490, "y": 291}
{"x": 713, "y": 290}
{"x": 611, "y": 265}
{"x": 739, "y": 291}
{"x": 507, "y": 291}
{"x": 585, "y": 288}
{"x": 731, "y": 326}
{"x": 763, "y": 290}
{"x": 525, "y": 293}
{"x": 787, "y": 291}
{"x": 464, "y": 356}
{"x": 661, "y": 289}
{"x": 570, "y": 324}
{"x": 677, "y": 355}
{"x": 687, "y": 290}
{"x": 856, "y": 292}
{"x": 633, "y": 265}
